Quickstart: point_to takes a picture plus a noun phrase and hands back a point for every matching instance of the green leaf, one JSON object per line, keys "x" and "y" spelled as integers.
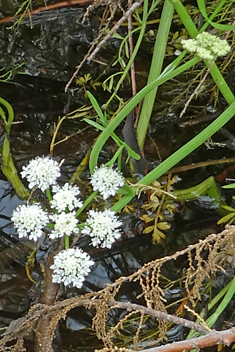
{"x": 94, "y": 124}
{"x": 148, "y": 229}
{"x": 228, "y": 208}
{"x": 163, "y": 225}
{"x": 97, "y": 108}
{"x": 223, "y": 27}
{"x": 158, "y": 235}
{"x": 226, "y": 218}
{"x": 232, "y": 185}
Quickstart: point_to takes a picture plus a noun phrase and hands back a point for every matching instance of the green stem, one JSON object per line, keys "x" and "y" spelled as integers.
{"x": 135, "y": 51}
{"x": 86, "y": 203}
{"x": 185, "y": 18}
{"x": 48, "y": 193}
{"x": 229, "y": 290}
{"x": 104, "y": 136}
{"x": 9, "y": 170}
{"x": 155, "y": 70}
{"x": 221, "y": 84}
{"x": 158, "y": 57}
{"x": 227, "y": 298}
{"x": 214, "y": 14}
{"x": 8, "y": 122}
{"x": 213, "y": 302}
{"x": 8, "y": 167}
{"x": 207, "y": 187}
{"x": 66, "y": 241}
{"x": 193, "y": 32}
{"x": 180, "y": 153}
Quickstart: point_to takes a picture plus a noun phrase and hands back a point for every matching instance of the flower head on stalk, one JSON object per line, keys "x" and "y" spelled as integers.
{"x": 71, "y": 266}
{"x": 206, "y": 46}
{"x": 102, "y": 227}
{"x": 65, "y": 198}
{"x": 41, "y": 172}
{"x": 107, "y": 181}
{"x": 29, "y": 220}
{"x": 65, "y": 224}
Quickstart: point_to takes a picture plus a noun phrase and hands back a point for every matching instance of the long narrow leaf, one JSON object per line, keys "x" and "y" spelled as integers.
{"x": 97, "y": 107}
{"x": 129, "y": 107}
{"x": 181, "y": 153}
{"x": 223, "y": 27}
{"x": 118, "y": 141}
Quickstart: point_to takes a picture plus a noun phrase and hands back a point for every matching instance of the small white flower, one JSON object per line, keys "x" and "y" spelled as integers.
{"x": 206, "y": 46}
{"x": 65, "y": 197}
{"x": 107, "y": 181}
{"x": 102, "y": 227}
{"x": 65, "y": 224}
{"x": 190, "y": 45}
{"x": 71, "y": 266}
{"x": 41, "y": 172}
{"x": 205, "y": 54}
{"x": 29, "y": 220}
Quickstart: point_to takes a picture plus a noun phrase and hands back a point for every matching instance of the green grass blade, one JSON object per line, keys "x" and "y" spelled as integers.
{"x": 135, "y": 51}
{"x": 8, "y": 167}
{"x": 181, "y": 153}
{"x": 192, "y": 30}
{"x": 223, "y": 27}
{"x": 129, "y": 107}
{"x": 10, "y": 113}
{"x": 97, "y": 108}
{"x": 118, "y": 141}
{"x": 155, "y": 70}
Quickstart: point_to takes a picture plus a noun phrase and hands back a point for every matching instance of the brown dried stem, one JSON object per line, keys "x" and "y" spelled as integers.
{"x": 217, "y": 247}
{"x": 41, "y": 9}
{"x": 225, "y": 337}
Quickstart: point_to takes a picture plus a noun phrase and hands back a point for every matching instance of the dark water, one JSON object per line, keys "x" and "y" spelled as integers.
{"x": 50, "y": 50}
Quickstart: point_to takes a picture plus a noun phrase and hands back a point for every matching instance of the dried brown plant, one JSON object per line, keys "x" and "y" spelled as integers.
{"x": 204, "y": 259}
{"x": 102, "y": 37}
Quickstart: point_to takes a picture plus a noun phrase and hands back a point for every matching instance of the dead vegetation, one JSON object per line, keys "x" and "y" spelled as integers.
{"x": 205, "y": 258}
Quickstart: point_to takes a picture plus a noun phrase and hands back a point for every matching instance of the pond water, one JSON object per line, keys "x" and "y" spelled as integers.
{"x": 50, "y": 46}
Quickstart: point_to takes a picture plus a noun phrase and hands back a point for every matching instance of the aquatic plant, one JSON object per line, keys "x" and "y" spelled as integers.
{"x": 60, "y": 219}
{"x": 41, "y": 173}
{"x": 72, "y": 265}
{"x": 206, "y": 46}
{"x": 156, "y": 78}
{"x": 29, "y": 221}
{"x": 107, "y": 181}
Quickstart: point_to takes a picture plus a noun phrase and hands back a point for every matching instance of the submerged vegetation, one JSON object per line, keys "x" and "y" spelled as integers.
{"x": 191, "y": 40}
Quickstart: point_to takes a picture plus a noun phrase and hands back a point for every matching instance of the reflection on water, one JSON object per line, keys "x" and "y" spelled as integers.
{"x": 8, "y": 202}
{"x": 51, "y": 50}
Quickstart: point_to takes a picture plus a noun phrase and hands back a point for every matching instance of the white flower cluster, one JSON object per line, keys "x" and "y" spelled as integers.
{"x": 41, "y": 172}
{"x": 29, "y": 220}
{"x": 206, "y": 46}
{"x": 65, "y": 197}
{"x": 107, "y": 181}
{"x": 102, "y": 227}
{"x": 65, "y": 224}
{"x": 71, "y": 266}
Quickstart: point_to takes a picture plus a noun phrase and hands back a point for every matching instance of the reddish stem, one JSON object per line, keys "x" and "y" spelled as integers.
{"x": 58, "y": 5}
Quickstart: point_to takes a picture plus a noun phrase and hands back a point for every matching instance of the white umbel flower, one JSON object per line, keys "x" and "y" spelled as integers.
{"x": 107, "y": 181}
{"x": 65, "y": 224}
{"x": 29, "y": 220}
{"x": 41, "y": 172}
{"x": 71, "y": 266}
{"x": 206, "y": 46}
{"x": 102, "y": 227}
{"x": 66, "y": 198}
